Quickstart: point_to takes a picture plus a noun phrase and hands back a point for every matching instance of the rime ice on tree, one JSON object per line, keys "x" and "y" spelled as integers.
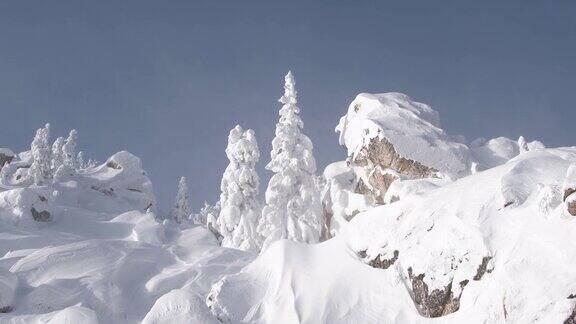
{"x": 293, "y": 209}
{"x": 239, "y": 192}
{"x": 181, "y": 209}
{"x": 39, "y": 171}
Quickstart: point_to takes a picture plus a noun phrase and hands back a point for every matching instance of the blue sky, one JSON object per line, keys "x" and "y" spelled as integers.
{"x": 166, "y": 80}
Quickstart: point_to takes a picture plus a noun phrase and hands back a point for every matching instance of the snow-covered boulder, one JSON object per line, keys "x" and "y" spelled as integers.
{"x": 389, "y": 136}
{"x": 569, "y": 190}
{"x": 74, "y": 314}
{"x": 340, "y": 202}
{"x": 179, "y": 306}
{"x": 8, "y": 285}
{"x": 6, "y": 156}
{"x": 117, "y": 186}
{"x": 26, "y": 206}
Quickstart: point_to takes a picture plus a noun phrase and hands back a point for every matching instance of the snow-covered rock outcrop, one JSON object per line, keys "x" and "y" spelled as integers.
{"x": 388, "y": 137}
{"x": 458, "y": 252}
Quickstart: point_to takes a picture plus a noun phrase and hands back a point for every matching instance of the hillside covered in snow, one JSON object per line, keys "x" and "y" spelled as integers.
{"x": 413, "y": 225}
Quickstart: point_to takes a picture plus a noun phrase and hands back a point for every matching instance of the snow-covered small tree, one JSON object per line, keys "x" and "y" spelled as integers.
{"x": 181, "y": 209}
{"x": 80, "y": 160}
{"x": 7, "y": 173}
{"x": 69, "y": 150}
{"x": 293, "y": 208}
{"x": 239, "y": 192}
{"x": 57, "y": 155}
{"x": 39, "y": 171}
{"x": 209, "y": 216}
{"x": 522, "y": 145}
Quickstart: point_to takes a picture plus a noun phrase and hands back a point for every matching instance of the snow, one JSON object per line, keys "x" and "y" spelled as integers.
{"x": 444, "y": 233}
{"x": 102, "y": 257}
{"x": 491, "y": 242}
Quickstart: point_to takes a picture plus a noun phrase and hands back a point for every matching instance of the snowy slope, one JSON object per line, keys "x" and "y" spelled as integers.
{"x": 101, "y": 256}
{"x": 420, "y": 228}
{"x": 511, "y": 264}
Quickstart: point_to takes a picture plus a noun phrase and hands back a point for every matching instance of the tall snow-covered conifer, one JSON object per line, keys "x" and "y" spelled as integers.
{"x": 69, "y": 150}
{"x": 181, "y": 209}
{"x": 39, "y": 171}
{"x": 57, "y": 155}
{"x": 293, "y": 209}
{"x": 239, "y": 192}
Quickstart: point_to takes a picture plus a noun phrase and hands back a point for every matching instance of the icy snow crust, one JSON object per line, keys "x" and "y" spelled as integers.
{"x": 444, "y": 233}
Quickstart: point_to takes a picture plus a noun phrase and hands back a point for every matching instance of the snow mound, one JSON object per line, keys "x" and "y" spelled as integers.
{"x": 179, "y": 306}
{"x": 458, "y": 252}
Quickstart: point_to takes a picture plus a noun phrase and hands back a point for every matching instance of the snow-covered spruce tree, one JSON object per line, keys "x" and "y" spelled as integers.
{"x": 239, "y": 192}
{"x": 69, "y": 150}
{"x": 39, "y": 171}
{"x": 181, "y": 209}
{"x": 57, "y": 155}
{"x": 293, "y": 208}
{"x": 80, "y": 160}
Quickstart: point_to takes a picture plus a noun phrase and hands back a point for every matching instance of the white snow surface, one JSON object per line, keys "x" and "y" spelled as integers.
{"x": 443, "y": 233}
{"x": 102, "y": 257}
{"x": 90, "y": 248}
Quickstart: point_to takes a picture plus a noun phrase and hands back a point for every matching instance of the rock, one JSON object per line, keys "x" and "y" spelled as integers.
{"x": 569, "y": 188}
{"x": 438, "y": 302}
{"x": 382, "y": 165}
{"x": 42, "y": 216}
{"x": 6, "y": 156}
{"x": 572, "y": 318}
{"x": 380, "y": 262}
{"x": 482, "y": 268}
{"x": 389, "y": 136}
{"x": 570, "y": 203}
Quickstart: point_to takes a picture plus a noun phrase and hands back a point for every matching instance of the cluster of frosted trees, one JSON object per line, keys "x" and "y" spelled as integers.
{"x": 292, "y": 208}
{"x": 47, "y": 162}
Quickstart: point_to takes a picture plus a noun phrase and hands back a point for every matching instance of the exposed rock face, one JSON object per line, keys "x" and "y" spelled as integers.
{"x": 435, "y": 303}
{"x": 381, "y": 165}
{"x": 571, "y": 205}
{"x": 5, "y": 159}
{"x": 572, "y": 318}
{"x": 42, "y": 216}
{"x": 569, "y": 188}
{"x": 383, "y": 263}
{"x": 482, "y": 269}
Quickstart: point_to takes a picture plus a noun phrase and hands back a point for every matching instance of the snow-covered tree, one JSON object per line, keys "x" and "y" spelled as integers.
{"x": 239, "y": 192}
{"x": 80, "y": 160}
{"x": 69, "y": 150}
{"x": 57, "y": 155}
{"x": 181, "y": 209}
{"x": 209, "y": 216}
{"x": 39, "y": 171}
{"x": 522, "y": 145}
{"x": 293, "y": 208}
{"x": 7, "y": 173}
